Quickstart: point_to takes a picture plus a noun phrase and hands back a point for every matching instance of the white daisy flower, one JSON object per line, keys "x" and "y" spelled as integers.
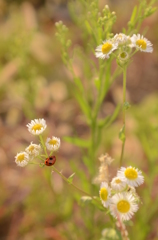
{"x": 141, "y": 43}
{"x": 132, "y": 176}
{"x": 105, "y": 194}
{"x": 121, "y": 39}
{"x": 53, "y": 143}
{"x": 37, "y": 126}
{"x": 117, "y": 184}
{"x": 123, "y": 205}
{"x": 22, "y": 159}
{"x": 33, "y": 149}
{"x": 104, "y": 50}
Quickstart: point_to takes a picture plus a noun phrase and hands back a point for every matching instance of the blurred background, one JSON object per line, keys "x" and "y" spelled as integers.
{"x": 34, "y": 83}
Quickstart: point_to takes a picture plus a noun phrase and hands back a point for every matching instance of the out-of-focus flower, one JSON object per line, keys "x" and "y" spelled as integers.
{"x": 103, "y": 175}
{"x": 106, "y": 159}
{"x": 124, "y": 205}
{"x": 105, "y": 194}
{"x": 132, "y": 176}
{"x": 122, "y": 40}
{"x": 33, "y": 150}
{"x": 104, "y": 50}
{"x": 37, "y": 126}
{"x": 141, "y": 43}
{"x": 22, "y": 159}
{"x": 53, "y": 143}
{"x": 117, "y": 184}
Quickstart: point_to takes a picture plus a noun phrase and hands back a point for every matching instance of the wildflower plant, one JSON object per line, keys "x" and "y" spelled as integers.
{"x": 117, "y": 196}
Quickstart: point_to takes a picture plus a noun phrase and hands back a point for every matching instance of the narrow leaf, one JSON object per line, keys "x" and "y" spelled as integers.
{"x": 109, "y": 119}
{"x": 83, "y": 104}
{"x": 77, "y": 141}
{"x": 97, "y": 83}
{"x": 122, "y": 134}
{"x": 133, "y": 15}
{"x": 70, "y": 178}
{"x": 79, "y": 84}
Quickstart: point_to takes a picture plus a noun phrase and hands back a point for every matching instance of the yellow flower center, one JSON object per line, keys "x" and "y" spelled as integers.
{"x": 106, "y": 47}
{"x": 123, "y": 206}
{"x": 131, "y": 173}
{"x": 103, "y": 194}
{"x": 118, "y": 181}
{"x": 141, "y": 43}
{"x": 53, "y": 142}
{"x": 21, "y": 157}
{"x": 31, "y": 148}
{"x": 36, "y": 127}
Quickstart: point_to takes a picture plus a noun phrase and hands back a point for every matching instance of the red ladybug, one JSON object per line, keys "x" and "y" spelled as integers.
{"x": 50, "y": 161}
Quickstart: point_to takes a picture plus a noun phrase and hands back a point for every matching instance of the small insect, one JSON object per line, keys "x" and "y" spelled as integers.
{"x": 50, "y": 161}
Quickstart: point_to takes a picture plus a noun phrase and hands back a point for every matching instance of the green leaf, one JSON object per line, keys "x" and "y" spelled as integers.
{"x": 89, "y": 200}
{"x": 104, "y": 122}
{"x": 83, "y": 105}
{"x": 99, "y": 205}
{"x": 77, "y": 141}
{"x": 122, "y": 136}
{"x": 97, "y": 83}
{"x": 133, "y": 15}
{"x": 89, "y": 29}
{"x": 79, "y": 84}
{"x": 70, "y": 178}
{"x": 109, "y": 119}
{"x": 149, "y": 11}
{"x": 111, "y": 234}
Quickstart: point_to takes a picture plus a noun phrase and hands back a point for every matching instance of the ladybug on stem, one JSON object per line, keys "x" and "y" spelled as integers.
{"x": 50, "y": 161}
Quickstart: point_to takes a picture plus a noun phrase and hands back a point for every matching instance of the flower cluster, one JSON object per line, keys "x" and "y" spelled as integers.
{"x": 120, "y": 195}
{"x": 37, "y": 127}
{"x": 124, "y": 43}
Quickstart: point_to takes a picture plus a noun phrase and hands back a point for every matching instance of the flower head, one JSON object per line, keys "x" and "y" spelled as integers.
{"x": 117, "y": 184}
{"x": 132, "y": 176}
{"x": 33, "y": 150}
{"x": 141, "y": 43}
{"x": 103, "y": 175}
{"x": 37, "y": 126}
{"x": 106, "y": 159}
{"x": 22, "y": 159}
{"x": 53, "y": 143}
{"x": 123, "y": 205}
{"x": 104, "y": 194}
{"x": 122, "y": 40}
{"x": 104, "y": 50}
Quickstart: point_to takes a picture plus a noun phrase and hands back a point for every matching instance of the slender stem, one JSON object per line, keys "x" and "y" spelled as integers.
{"x": 40, "y": 158}
{"x": 66, "y": 180}
{"x": 34, "y": 163}
{"x": 43, "y": 145}
{"x": 124, "y": 114}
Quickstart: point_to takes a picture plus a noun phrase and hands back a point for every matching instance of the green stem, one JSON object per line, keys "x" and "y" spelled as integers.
{"x": 124, "y": 113}
{"x": 43, "y": 145}
{"x": 66, "y": 180}
{"x": 40, "y": 158}
{"x": 34, "y": 163}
